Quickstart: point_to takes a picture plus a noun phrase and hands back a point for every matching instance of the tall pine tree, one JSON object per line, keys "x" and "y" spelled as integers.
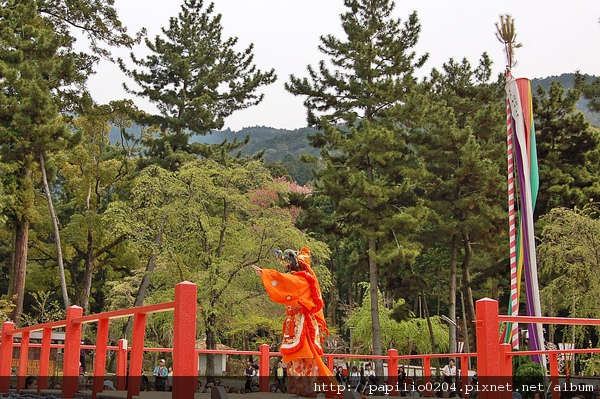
{"x": 462, "y": 145}
{"x": 40, "y": 77}
{"x": 358, "y": 105}
{"x": 196, "y": 78}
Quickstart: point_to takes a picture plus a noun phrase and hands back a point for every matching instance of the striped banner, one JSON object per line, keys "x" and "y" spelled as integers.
{"x": 512, "y": 330}
{"x": 524, "y": 157}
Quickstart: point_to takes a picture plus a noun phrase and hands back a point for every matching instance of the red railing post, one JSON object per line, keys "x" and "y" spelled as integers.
{"x": 263, "y": 368}
{"x": 23, "y": 360}
{"x": 122, "y": 365}
{"x": 6, "y": 350}
{"x": 100, "y": 359}
{"x": 488, "y": 344}
{"x": 72, "y": 351}
{"x": 45, "y": 358}
{"x": 330, "y": 363}
{"x": 464, "y": 374}
{"x": 554, "y": 373}
{"x": 137, "y": 354}
{"x": 185, "y": 358}
{"x": 393, "y": 372}
{"x": 426, "y": 375}
{"x": 506, "y": 370}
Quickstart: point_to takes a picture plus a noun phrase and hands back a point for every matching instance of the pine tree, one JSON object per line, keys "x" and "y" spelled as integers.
{"x": 567, "y": 151}
{"x": 590, "y": 88}
{"x": 34, "y": 63}
{"x": 358, "y": 105}
{"x": 41, "y": 76}
{"x": 462, "y": 144}
{"x": 197, "y": 79}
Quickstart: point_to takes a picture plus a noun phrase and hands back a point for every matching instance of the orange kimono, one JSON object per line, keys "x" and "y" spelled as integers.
{"x": 304, "y": 325}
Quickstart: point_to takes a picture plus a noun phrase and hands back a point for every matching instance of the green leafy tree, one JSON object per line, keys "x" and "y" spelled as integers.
{"x": 568, "y": 263}
{"x": 212, "y": 222}
{"x": 40, "y": 76}
{"x": 34, "y": 62}
{"x": 93, "y": 173}
{"x": 409, "y": 335}
{"x": 358, "y": 105}
{"x": 196, "y": 78}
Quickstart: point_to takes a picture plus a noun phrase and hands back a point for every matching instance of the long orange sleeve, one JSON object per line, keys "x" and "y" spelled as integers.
{"x": 288, "y": 289}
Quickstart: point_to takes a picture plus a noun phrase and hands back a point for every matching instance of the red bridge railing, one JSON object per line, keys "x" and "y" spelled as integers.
{"x": 494, "y": 359}
{"x": 184, "y": 346}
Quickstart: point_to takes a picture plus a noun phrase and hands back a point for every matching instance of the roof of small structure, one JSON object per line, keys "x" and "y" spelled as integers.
{"x": 201, "y": 344}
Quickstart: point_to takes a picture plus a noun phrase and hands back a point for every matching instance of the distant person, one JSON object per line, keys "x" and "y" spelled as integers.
{"x": 339, "y": 375}
{"x": 169, "y": 381}
{"x": 160, "y": 374}
{"x": 108, "y": 385}
{"x": 280, "y": 374}
{"x": 31, "y": 382}
{"x": 354, "y": 378}
{"x": 370, "y": 378}
{"x": 249, "y": 372}
{"x": 401, "y": 378}
{"x": 449, "y": 372}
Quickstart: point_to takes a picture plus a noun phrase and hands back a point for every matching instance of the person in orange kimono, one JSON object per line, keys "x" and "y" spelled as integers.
{"x": 304, "y": 324}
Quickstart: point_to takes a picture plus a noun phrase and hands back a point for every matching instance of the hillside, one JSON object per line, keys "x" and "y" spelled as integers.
{"x": 568, "y": 80}
{"x": 286, "y": 146}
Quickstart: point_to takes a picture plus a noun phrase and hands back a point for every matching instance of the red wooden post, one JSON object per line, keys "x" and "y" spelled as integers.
{"x": 393, "y": 372}
{"x": 488, "y": 344}
{"x": 100, "y": 359}
{"x": 330, "y": 363}
{"x": 45, "y": 358}
{"x": 185, "y": 358}
{"x": 506, "y": 366}
{"x": 6, "y": 350}
{"x": 426, "y": 375}
{"x": 72, "y": 351}
{"x": 122, "y": 364}
{"x": 23, "y": 360}
{"x": 137, "y": 354}
{"x": 464, "y": 373}
{"x": 554, "y": 375}
{"x": 263, "y": 368}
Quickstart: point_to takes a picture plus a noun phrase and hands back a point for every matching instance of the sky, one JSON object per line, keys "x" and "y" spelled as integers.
{"x": 558, "y": 37}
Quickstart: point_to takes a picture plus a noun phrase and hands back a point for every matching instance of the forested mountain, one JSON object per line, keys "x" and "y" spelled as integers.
{"x": 285, "y": 146}
{"x": 568, "y": 81}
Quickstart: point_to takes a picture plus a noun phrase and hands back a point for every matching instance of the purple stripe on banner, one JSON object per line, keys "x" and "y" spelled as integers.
{"x": 534, "y": 343}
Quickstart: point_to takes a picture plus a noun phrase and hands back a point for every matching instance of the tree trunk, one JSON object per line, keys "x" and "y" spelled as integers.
{"x": 466, "y": 288}
{"x": 211, "y": 343}
{"x": 465, "y": 328}
{"x": 89, "y": 272}
{"x": 145, "y": 283}
{"x": 19, "y": 267}
{"x": 332, "y": 296}
{"x": 59, "y": 257}
{"x": 429, "y": 325}
{"x": 376, "y": 328}
{"x": 452, "y": 293}
{"x": 21, "y": 237}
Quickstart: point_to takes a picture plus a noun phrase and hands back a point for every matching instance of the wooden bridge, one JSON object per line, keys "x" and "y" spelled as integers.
{"x": 494, "y": 359}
